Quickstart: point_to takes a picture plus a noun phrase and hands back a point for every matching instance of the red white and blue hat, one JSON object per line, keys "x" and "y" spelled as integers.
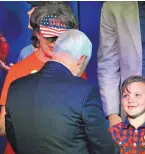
{"x": 52, "y": 26}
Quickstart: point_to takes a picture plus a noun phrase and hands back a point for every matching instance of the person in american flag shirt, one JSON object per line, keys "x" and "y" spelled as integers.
{"x": 130, "y": 134}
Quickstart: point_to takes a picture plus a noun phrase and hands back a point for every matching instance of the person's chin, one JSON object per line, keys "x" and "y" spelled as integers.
{"x": 133, "y": 114}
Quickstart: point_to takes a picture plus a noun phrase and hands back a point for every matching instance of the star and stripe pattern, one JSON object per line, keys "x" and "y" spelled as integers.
{"x": 51, "y": 26}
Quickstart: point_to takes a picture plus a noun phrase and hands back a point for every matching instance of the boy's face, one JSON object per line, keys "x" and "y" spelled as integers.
{"x": 133, "y": 99}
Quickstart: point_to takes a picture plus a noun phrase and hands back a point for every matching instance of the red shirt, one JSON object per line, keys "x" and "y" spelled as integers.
{"x": 129, "y": 139}
{"x": 21, "y": 69}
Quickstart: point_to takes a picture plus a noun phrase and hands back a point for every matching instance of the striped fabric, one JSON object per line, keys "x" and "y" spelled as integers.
{"x": 130, "y": 140}
{"x": 50, "y": 32}
{"x": 51, "y": 26}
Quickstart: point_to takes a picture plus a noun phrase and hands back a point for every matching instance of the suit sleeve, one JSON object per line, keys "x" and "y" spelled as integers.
{"x": 108, "y": 70}
{"x": 98, "y": 137}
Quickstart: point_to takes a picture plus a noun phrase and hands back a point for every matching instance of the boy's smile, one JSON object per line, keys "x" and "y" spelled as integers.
{"x": 133, "y": 99}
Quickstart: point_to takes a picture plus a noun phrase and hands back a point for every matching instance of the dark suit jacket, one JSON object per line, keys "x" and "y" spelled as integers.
{"x": 53, "y": 112}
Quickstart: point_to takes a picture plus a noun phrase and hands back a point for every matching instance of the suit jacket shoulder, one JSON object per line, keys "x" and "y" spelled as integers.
{"x": 115, "y": 5}
{"x": 74, "y": 84}
{"x": 116, "y": 9}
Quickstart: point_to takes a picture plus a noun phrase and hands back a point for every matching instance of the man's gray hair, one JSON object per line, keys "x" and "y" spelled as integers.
{"x": 75, "y": 43}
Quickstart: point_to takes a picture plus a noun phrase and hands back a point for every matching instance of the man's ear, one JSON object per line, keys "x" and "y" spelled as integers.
{"x": 81, "y": 61}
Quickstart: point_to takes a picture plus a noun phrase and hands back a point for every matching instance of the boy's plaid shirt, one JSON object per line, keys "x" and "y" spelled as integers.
{"x": 129, "y": 139}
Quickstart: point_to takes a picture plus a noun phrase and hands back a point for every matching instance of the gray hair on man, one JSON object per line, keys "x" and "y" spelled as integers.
{"x": 75, "y": 43}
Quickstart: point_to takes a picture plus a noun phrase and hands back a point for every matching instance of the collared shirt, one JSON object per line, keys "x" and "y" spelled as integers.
{"x": 141, "y": 7}
{"x": 130, "y": 140}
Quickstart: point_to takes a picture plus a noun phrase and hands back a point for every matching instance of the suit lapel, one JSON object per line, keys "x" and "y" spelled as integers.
{"x": 131, "y": 17}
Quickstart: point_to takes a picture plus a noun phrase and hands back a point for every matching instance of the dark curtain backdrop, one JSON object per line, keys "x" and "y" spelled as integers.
{"x": 14, "y": 21}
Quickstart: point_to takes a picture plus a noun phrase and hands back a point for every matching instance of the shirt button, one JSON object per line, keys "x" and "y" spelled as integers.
{"x": 134, "y": 144}
{"x": 136, "y": 131}
{"x": 120, "y": 143}
{"x": 33, "y": 71}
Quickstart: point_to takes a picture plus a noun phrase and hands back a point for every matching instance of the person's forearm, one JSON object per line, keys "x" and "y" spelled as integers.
{"x": 2, "y": 120}
{"x": 2, "y": 132}
{"x": 2, "y": 127}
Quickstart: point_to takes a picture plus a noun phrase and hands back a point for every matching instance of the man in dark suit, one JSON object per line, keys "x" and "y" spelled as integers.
{"x": 54, "y": 111}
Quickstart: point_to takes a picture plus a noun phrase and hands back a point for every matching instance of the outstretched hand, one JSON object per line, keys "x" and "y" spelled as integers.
{"x": 4, "y": 66}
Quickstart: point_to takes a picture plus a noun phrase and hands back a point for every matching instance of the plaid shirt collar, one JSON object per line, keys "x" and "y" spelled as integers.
{"x": 126, "y": 124}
